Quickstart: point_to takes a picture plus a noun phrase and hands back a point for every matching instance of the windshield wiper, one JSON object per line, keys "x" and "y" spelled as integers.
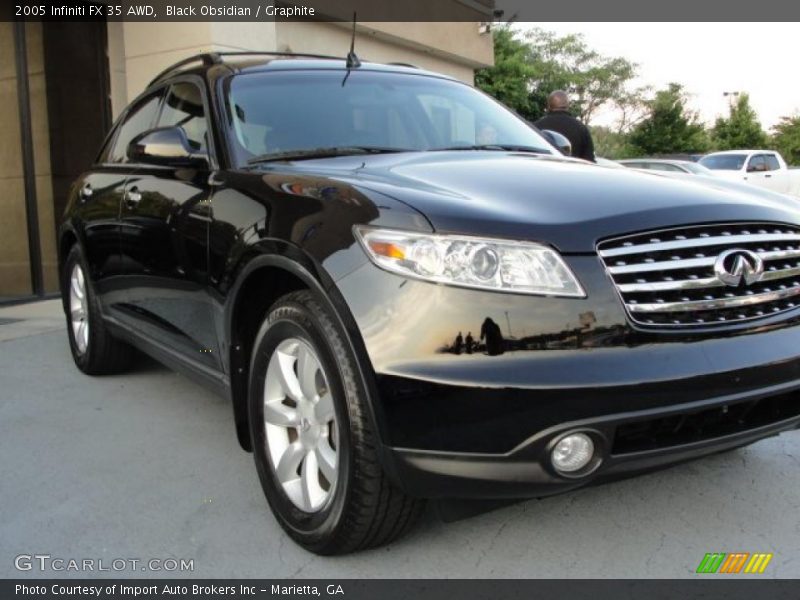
{"x": 323, "y": 153}
{"x": 497, "y": 147}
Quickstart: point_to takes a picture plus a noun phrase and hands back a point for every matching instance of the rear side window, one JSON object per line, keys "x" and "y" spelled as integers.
{"x": 138, "y": 120}
{"x": 184, "y": 108}
{"x": 772, "y": 162}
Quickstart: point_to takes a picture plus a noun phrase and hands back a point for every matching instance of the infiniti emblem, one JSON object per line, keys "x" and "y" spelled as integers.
{"x": 737, "y": 266}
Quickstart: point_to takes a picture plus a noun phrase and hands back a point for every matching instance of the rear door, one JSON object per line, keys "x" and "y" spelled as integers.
{"x": 164, "y": 232}
{"x": 100, "y": 197}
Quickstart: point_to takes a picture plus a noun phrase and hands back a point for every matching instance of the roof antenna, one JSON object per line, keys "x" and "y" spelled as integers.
{"x": 352, "y": 60}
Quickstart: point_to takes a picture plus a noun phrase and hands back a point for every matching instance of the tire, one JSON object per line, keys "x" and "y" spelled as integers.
{"x": 361, "y": 508}
{"x": 94, "y": 350}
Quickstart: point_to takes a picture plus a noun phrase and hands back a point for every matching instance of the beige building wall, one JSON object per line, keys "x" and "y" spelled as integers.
{"x": 14, "y": 253}
{"x": 386, "y": 44}
{"x": 41, "y": 156}
{"x": 138, "y": 51}
{"x": 14, "y": 264}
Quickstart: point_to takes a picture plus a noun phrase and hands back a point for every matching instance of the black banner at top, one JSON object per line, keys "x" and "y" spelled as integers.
{"x": 481, "y": 11}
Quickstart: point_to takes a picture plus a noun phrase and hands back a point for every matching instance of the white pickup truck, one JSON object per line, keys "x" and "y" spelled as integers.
{"x": 764, "y": 168}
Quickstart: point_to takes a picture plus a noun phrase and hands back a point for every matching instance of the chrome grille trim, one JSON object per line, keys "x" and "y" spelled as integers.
{"x": 734, "y": 302}
{"x": 690, "y": 263}
{"x": 692, "y": 284}
{"x": 668, "y": 278}
{"x": 668, "y": 265}
{"x": 664, "y": 286}
{"x": 701, "y": 242}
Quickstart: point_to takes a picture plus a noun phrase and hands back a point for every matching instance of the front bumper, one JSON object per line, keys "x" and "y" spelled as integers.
{"x": 526, "y": 470}
{"x": 481, "y": 424}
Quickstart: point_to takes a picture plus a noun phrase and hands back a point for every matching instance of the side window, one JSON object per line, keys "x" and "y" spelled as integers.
{"x": 757, "y": 163}
{"x": 138, "y": 120}
{"x": 184, "y": 108}
{"x": 772, "y": 162}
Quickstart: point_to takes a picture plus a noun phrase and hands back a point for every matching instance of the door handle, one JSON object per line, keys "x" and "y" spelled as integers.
{"x": 133, "y": 196}
{"x": 86, "y": 192}
{"x": 767, "y": 176}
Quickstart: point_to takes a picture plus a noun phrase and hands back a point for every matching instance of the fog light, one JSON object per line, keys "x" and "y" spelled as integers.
{"x": 572, "y": 452}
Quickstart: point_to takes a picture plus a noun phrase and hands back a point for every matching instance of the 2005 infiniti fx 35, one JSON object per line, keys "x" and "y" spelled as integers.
{"x": 407, "y": 293}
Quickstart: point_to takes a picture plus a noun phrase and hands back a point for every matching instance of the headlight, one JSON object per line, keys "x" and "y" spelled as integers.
{"x": 488, "y": 264}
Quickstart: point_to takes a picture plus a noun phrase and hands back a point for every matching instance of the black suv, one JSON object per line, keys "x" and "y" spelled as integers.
{"x": 407, "y": 293}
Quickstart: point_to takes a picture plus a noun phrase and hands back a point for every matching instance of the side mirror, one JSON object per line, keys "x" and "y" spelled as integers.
{"x": 559, "y": 141}
{"x": 167, "y": 146}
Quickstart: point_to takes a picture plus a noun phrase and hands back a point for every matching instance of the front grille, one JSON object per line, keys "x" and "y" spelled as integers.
{"x": 720, "y": 421}
{"x": 667, "y": 278}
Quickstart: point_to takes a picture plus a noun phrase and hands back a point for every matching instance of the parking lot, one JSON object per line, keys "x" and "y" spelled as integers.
{"x": 146, "y": 465}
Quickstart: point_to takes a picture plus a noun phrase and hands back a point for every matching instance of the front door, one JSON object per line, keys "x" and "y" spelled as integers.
{"x": 164, "y": 229}
{"x": 757, "y": 171}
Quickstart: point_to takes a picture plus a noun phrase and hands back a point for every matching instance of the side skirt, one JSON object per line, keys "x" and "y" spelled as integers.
{"x": 209, "y": 378}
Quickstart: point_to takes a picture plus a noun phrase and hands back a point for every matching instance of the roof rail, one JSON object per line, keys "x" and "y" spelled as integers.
{"x": 286, "y": 54}
{"x": 215, "y": 58}
{"x": 402, "y": 64}
{"x": 207, "y": 58}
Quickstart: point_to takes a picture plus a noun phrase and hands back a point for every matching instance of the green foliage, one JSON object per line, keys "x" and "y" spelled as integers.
{"x": 527, "y": 70}
{"x": 531, "y": 65}
{"x": 741, "y": 129}
{"x": 612, "y": 144}
{"x": 669, "y": 127}
{"x": 509, "y": 78}
{"x": 567, "y": 63}
{"x": 786, "y": 139}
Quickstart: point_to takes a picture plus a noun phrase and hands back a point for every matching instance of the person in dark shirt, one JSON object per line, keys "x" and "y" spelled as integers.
{"x": 558, "y": 119}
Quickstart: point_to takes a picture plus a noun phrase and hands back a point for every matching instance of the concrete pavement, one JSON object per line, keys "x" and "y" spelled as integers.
{"x": 146, "y": 465}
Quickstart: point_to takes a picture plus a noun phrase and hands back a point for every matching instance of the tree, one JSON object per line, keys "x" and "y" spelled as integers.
{"x": 741, "y": 129}
{"x": 632, "y": 108}
{"x": 527, "y": 69}
{"x": 567, "y": 63}
{"x": 610, "y": 143}
{"x": 509, "y": 78}
{"x": 786, "y": 138}
{"x": 669, "y": 126}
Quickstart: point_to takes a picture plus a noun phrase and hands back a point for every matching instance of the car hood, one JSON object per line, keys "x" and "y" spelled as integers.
{"x": 568, "y": 203}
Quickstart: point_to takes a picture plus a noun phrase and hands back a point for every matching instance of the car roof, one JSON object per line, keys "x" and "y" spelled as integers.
{"x": 217, "y": 63}
{"x": 669, "y": 161}
{"x": 721, "y": 152}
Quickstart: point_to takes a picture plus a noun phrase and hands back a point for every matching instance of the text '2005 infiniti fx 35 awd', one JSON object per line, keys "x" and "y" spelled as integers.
{"x": 407, "y": 293}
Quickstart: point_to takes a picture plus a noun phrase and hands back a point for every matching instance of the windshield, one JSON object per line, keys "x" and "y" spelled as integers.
{"x": 283, "y": 112}
{"x": 723, "y": 162}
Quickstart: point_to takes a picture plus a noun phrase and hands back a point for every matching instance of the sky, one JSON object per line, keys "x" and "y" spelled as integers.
{"x": 707, "y": 58}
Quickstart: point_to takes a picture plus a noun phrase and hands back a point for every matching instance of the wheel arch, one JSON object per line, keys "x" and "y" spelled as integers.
{"x": 271, "y": 276}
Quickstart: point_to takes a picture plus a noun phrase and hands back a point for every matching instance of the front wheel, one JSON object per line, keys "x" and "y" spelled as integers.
{"x": 314, "y": 445}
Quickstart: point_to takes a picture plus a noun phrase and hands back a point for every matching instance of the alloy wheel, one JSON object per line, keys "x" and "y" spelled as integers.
{"x": 300, "y": 425}
{"x": 79, "y": 309}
